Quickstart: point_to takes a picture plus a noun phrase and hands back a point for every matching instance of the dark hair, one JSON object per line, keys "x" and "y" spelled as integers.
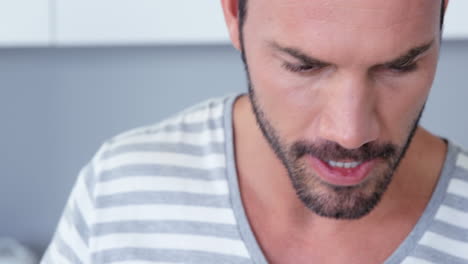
{"x": 243, "y": 13}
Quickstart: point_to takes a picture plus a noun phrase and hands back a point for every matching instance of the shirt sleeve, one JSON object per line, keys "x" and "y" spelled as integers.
{"x": 71, "y": 241}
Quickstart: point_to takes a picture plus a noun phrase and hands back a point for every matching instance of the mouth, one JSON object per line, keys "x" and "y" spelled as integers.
{"x": 343, "y": 172}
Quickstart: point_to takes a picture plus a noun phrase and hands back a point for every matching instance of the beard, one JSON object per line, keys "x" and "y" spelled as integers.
{"x": 325, "y": 199}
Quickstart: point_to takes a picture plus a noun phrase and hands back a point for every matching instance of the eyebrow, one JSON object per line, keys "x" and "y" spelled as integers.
{"x": 409, "y": 56}
{"x": 298, "y": 54}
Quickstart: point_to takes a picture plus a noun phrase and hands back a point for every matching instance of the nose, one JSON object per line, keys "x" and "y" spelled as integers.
{"x": 349, "y": 116}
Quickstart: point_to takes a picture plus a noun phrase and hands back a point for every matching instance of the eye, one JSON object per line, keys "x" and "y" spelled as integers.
{"x": 404, "y": 68}
{"x": 301, "y": 68}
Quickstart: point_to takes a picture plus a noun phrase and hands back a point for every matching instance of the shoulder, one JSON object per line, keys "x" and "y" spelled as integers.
{"x": 183, "y": 151}
{"x": 187, "y": 139}
{"x": 158, "y": 183}
{"x": 204, "y": 116}
{"x": 458, "y": 179}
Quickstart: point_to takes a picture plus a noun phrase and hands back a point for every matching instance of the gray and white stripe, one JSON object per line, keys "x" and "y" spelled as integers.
{"x": 446, "y": 241}
{"x": 154, "y": 195}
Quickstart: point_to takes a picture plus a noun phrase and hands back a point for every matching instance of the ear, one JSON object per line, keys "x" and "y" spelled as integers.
{"x": 231, "y": 16}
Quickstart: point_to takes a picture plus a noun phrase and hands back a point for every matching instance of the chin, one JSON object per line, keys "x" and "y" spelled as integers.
{"x": 341, "y": 202}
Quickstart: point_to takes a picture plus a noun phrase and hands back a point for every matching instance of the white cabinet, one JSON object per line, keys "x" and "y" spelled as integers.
{"x": 147, "y": 22}
{"x": 137, "y": 22}
{"x": 24, "y": 22}
{"x": 121, "y": 22}
{"x": 456, "y": 21}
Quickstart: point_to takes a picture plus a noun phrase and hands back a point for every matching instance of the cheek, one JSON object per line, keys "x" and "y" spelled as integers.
{"x": 290, "y": 104}
{"x": 400, "y": 100}
{"x": 399, "y": 105}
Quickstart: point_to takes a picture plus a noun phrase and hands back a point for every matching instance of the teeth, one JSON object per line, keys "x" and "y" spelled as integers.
{"x": 345, "y": 165}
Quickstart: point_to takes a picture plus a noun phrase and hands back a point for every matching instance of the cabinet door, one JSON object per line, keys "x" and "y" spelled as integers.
{"x": 24, "y": 22}
{"x": 104, "y": 22}
{"x": 456, "y": 20}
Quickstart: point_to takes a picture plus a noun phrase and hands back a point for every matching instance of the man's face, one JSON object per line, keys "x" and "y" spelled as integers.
{"x": 338, "y": 87}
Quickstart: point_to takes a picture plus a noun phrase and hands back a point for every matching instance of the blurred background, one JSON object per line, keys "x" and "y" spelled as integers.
{"x": 74, "y": 73}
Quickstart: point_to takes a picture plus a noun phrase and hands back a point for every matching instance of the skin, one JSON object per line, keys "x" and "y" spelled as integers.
{"x": 353, "y": 100}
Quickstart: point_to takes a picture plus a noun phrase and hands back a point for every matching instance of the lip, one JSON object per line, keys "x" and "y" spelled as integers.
{"x": 341, "y": 176}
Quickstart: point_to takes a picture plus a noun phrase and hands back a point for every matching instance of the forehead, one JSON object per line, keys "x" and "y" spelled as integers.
{"x": 349, "y": 12}
{"x": 386, "y": 26}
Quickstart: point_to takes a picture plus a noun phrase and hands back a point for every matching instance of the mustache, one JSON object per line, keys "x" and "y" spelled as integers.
{"x": 333, "y": 151}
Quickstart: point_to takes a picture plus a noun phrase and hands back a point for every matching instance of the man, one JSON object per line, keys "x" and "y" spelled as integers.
{"x": 322, "y": 162}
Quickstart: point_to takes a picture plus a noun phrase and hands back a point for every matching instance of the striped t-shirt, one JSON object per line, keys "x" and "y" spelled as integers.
{"x": 168, "y": 193}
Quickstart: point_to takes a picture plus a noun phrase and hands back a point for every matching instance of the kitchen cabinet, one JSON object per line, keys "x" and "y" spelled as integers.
{"x": 25, "y": 23}
{"x": 122, "y": 22}
{"x": 456, "y": 21}
{"x": 137, "y": 22}
{"x": 141, "y": 22}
